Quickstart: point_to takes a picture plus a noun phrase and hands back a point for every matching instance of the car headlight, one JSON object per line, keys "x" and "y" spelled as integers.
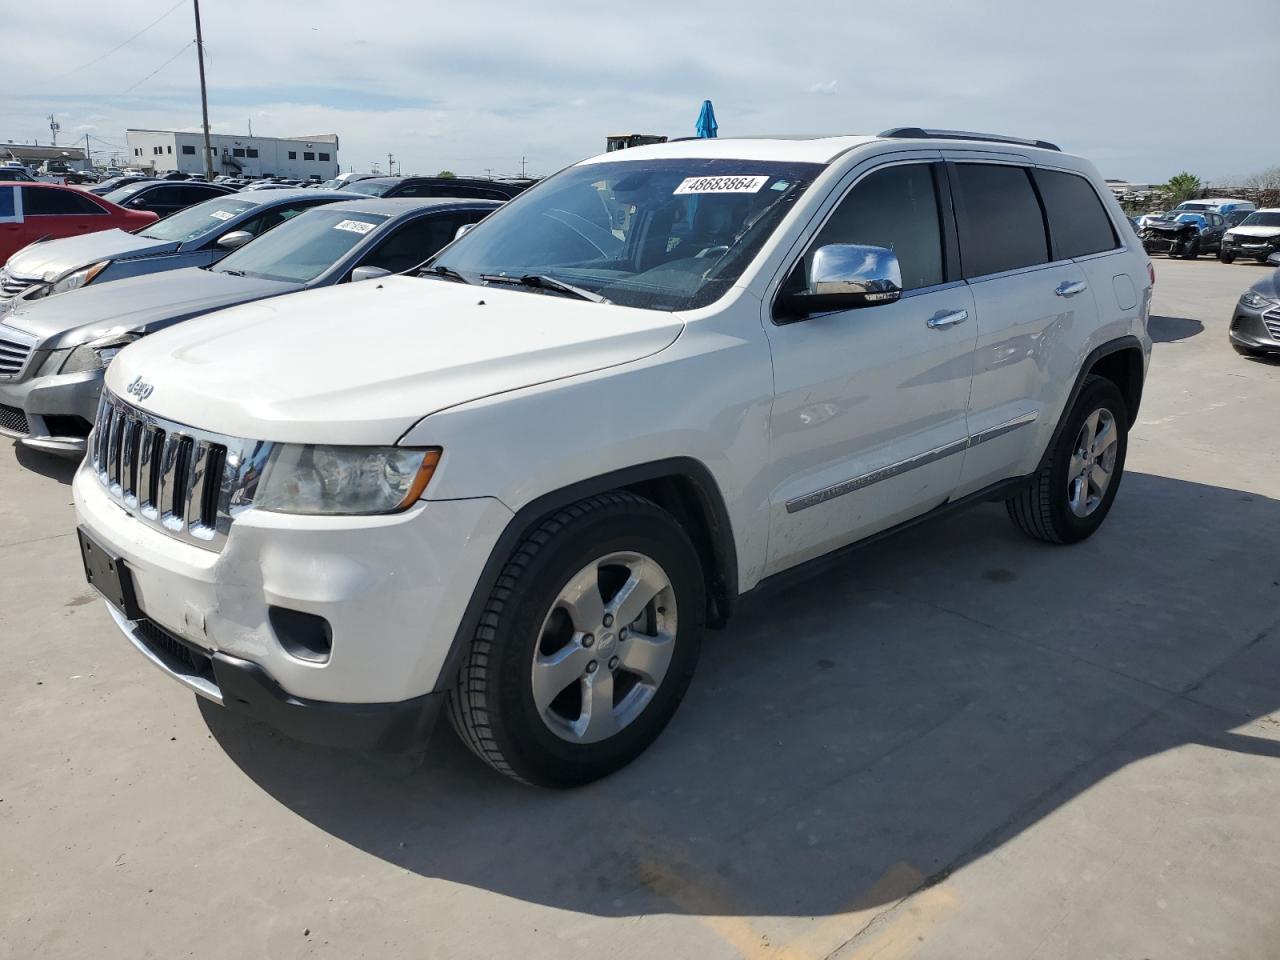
{"x": 344, "y": 480}
{"x": 78, "y": 278}
{"x": 97, "y": 354}
{"x": 1255, "y": 300}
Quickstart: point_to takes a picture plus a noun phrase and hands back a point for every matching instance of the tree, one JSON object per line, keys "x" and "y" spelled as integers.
{"x": 1182, "y": 186}
{"x": 1268, "y": 179}
{"x": 447, "y": 174}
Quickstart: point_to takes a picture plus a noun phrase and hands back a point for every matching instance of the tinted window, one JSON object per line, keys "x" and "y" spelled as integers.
{"x": 188, "y": 195}
{"x": 1001, "y": 227}
{"x": 44, "y": 203}
{"x": 273, "y": 218}
{"x": 896, "y": 208}
{"x": 1078, "y": 222}
{"x": 8, "y": 207}
{"x": 1263, "y": 218}
{"x": 414, "y": 242}
{"x": 304, "y": 247}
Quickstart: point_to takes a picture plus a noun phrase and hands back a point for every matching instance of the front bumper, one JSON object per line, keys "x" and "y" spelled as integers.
{"x": 392, "y": 589}
{"x": 1261, "y": 249}
{"x": 1256, "y": 329}
{"x": 58, "y": 410}
{"x": 1158, "y": 243}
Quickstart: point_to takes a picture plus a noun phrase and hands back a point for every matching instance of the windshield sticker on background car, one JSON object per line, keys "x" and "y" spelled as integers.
{"x": 355, "y": 226}
{"x": 720, "y": 185}
{"x": 221, "y": 215}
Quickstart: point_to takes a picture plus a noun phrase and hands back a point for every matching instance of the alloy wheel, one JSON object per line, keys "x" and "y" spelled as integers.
{"x": 1093, "y": 462}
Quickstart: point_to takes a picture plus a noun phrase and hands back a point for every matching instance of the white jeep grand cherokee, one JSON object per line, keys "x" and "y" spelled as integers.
{"x": 524, "y": 479}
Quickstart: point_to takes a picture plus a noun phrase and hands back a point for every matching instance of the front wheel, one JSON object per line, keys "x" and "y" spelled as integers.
{"x": 586, "y": 646}
{"x": 1192, "y": 249}
{"x": 1070, "y": 495}
{"x": 1226, "y": 256}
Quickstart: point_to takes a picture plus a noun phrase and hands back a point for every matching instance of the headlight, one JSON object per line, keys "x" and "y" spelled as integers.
{"x": 97, "y": 354}
{"x": 345, "y": 480}
{"x": 1255, "y": 300}
{"x": 79, "y": 278}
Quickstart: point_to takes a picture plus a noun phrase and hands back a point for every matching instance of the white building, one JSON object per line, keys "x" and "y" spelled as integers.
{"x": 161, "y": 151}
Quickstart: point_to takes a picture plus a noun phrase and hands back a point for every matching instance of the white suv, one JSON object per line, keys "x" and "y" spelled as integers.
{"x": 522, "y": 480}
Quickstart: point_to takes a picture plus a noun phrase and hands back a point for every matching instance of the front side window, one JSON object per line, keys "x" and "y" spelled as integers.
{"x": 37, "y": 202}
{"x": 414, "y": 242}
{"x": 196, "y": 222}
{"x": 304, "y": 247}
{"x": 371, "y": 188}
{"x": 1078, "y": 223}
{"x": 897, "y": 208}
{"x": 127, "y": 192}
{"x": 1001, "y": 227}
{"x": 670, "y": 234}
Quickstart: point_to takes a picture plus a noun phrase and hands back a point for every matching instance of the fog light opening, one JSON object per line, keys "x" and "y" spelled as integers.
{"x": 303, "y": 635}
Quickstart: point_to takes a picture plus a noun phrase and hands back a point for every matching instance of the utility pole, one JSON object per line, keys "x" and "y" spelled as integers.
{"x": 391, "y": 171}
{"x": 54, "y": 127}
{"x": 88, "y": 162}
{"x": 204, "y": 97}
{"x": 522, "y": 160}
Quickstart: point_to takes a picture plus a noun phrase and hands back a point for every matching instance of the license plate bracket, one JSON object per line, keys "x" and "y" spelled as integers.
{"x": 108, "y": 574}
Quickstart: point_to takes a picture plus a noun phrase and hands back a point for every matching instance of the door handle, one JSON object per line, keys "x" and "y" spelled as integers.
{"x": 1069, "y": 288}
{"x": 947, "y": 319}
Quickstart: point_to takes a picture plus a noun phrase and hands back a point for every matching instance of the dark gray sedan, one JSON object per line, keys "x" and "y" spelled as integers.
{"x": 1255, "y": 322}
{"x": 53, "y": 352}
{"x": 195, "y": 237}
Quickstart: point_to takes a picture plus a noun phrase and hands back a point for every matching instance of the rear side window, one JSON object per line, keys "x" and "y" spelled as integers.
{"x": 1001, "y": 227}
{"x": 8, "y": 204}
{"x": 37, "y": 202}
{"x": 1078, "y": 223}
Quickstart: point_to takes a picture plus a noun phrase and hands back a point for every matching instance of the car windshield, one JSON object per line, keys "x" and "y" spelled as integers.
{"x": 198, "y": 221}
{"x": 372, "y": 188}
{"x": 671, "y": 234}
{"x": 121, "y": 194}
{"x": 332, "y": 184}
{"x": 1263, "y": 218}
{"x": 1193, "y": 206}
{"x": 301, "y": 249}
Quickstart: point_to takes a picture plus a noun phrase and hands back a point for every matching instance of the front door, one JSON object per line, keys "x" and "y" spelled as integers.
{"x": 868, "y": 427}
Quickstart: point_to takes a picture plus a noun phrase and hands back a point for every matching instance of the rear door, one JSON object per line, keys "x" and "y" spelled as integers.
{"x": 1033, "y": 308}
{"x": 61, "y": 213}
{"x": 13, "y": 229}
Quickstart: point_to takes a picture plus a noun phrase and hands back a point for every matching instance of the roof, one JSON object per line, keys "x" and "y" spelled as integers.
{"x": 318, "y": 138}
{"x": 47, "y": 152}
{"x": 397, "y": 206}
{"x": 809, "y": 149}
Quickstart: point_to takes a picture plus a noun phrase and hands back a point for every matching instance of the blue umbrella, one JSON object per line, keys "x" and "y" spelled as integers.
{"x": 707, "y": 125}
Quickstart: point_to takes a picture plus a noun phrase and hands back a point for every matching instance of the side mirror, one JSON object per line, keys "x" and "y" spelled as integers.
{"x": 236, "y": 238}
{"x": 463, "y": 229}
{"x": 368, "y": 273}
{"x": 1274, "y": 259}
{"x": 847, "y": 276}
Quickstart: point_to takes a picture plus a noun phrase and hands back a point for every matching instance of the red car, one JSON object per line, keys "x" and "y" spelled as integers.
{"x": 40, "y": 211}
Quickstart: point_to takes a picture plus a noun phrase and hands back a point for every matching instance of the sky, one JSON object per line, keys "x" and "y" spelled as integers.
{"x": 1140, "y": 87}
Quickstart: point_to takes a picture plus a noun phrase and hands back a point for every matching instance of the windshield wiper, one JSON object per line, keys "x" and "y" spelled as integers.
{"x": 542, "y": 281}
{"x": 232, "y": 273}
{"x": 444, "y": 273}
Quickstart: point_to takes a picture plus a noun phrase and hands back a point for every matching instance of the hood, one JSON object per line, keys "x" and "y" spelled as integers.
{"x": 1173, "y": 226}
{"x": 1263, "y": 232}
{"x": 361, "y": 363}
{"x": 55, "y": 257}
{"x": 145, "y": 303}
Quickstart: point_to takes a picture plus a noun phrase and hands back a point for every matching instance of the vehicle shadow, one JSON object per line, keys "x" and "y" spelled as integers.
{"x": 57, "y": 468}
{"x": 1171, "y": 329}
{"x": 865, "y": 732}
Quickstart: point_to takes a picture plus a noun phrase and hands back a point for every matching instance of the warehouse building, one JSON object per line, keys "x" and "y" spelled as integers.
{"x": 162, "y": 151}
{"x": 32, "y": 155}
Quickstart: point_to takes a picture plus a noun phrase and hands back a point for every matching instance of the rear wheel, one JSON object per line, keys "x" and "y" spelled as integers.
{"x": 586, "y": 646}
{"x": 1070, "y": 496}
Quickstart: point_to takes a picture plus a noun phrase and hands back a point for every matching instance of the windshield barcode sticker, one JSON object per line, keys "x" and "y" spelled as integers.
{"x": 721, "y": 185}
{"x": 355, "y": 226}
{"x": 221, "y": 215}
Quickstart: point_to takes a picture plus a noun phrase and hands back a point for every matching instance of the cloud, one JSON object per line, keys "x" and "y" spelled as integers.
{"x": 437, "y": 94}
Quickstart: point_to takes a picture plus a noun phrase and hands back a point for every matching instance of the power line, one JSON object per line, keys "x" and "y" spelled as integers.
{"x": 119, "y": 45}
{"x": 185, "y": 46}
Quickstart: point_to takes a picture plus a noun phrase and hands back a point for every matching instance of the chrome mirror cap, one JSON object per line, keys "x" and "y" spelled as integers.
{"x": 871, "y": 273}
{"x": 234, "y": 239}
{"x": 368, "y": 273}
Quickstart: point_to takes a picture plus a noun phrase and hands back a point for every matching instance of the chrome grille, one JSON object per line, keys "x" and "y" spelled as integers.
{"x": 15, "y": 349}
{"x": 13, "y": 420}
{"x": 1272, "y": 319}
{"x": 11, "y": 286}
{"x": 190, "y": 483}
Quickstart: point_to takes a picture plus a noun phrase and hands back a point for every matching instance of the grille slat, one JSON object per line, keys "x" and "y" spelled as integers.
{"x": 184, "y": 481}
{"x": 1272, "y": 320}
{"x": 16, "y": 348}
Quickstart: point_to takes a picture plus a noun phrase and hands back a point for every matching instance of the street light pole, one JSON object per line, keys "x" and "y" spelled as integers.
{"x": 204, "y": 97}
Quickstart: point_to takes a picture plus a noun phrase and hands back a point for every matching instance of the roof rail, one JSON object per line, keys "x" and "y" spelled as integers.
{"x": 919, "y": 133}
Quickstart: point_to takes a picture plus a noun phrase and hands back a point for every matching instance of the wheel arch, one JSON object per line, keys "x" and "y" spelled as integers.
{"x": 682, "y": 486}
{"x": 1119, "y": 361}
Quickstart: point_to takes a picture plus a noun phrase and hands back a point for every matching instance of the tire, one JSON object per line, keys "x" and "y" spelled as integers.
{"x": 534, "y": 638}
{"x": 1045, "y": 508}
{"x": 1192, "y": 250}
{"x": 1226, "y": 256}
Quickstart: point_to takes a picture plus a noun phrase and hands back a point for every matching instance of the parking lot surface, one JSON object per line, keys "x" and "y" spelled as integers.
{"x": 957, "y": 743}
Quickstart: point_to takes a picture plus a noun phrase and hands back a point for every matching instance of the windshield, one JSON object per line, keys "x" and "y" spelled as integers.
{"x": 121, "y": 194}
{"x": 1262, "y": 218}
{"x": 372, "y": 188}
{"x": 658, "y": 234}
{"x": 301, "y": 249}
{"x": 198, "y": 221}
{"x": 332, "y": 185}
